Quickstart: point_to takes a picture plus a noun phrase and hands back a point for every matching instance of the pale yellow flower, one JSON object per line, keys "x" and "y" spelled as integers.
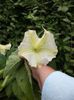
{"x": 4, "y": 48}
{"x": 38, "y": 50}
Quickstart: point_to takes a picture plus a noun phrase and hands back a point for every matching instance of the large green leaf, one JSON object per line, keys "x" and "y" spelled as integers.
{"x": 17, "y": 91}
{"x": 8, "y": 90}
{"x": 24, "y": 83}
{"x": 12, "y": 63}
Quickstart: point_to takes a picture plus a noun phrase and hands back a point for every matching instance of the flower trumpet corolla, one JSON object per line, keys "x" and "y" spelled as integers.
{"x": 38, "y": 50}
{"x": 4, "y": 48}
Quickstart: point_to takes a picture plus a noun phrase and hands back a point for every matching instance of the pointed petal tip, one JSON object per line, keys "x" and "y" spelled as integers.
{"x": 47, "y": 32}
{"x": 8, "y": 46}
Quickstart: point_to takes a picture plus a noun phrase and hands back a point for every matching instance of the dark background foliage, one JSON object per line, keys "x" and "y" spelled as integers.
{"x": 57, "y": 16}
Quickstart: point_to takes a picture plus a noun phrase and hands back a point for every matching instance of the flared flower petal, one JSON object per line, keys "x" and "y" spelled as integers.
{"x": 47, "y": 42}
{"x": 29, "y": 41}
{"x": 4, "y": 48}
{"x": 38, "y": 50}
{"x": 31, "y": 58}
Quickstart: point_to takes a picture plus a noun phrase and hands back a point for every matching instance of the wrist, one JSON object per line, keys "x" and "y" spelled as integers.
{"x": 41, "y": 73}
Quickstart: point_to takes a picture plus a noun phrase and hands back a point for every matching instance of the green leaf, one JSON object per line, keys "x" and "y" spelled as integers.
{"x": 8, "y": 90}
{"x": 28, "y": 71}
{"x": 12, "y": 63}
{"x": 2, "y": 61}
{"x": 23, "y": 82}
{"x": 67, "y": 48}
{"x": 5, "y": 82}
{"x": 63, "y": 8}
{"x": 72, "y": 34}
{"x": 66, "y": 39}
{"x": 17, "y": 91}
{"x": 1, "y": 81}
{"x": 1, "y": 72}
{"x": 72, "y": 60}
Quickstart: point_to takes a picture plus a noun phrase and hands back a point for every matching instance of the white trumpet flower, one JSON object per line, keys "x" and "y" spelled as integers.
{"x": 38, "y": 50}
{"x": 4, "y": 48}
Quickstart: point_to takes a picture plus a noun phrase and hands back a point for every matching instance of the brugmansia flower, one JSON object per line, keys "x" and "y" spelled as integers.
{"x": 38, "y": 50}
{"x": 4, "y": 48}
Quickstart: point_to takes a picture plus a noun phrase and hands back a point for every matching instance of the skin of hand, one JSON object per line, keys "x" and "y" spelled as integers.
{"x": 41, "y": 73}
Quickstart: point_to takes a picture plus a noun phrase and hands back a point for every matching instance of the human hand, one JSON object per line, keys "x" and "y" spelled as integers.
{"x": 41, "y": 73}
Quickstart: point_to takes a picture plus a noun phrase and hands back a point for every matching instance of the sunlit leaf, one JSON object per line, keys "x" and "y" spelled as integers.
{"x": 11, "y": 63}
